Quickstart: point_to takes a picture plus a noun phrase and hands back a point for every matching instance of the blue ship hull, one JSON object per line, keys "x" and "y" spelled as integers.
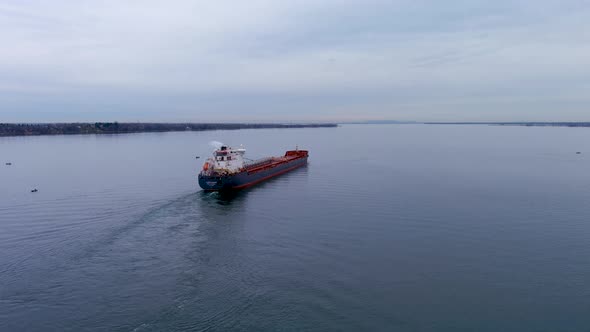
{"x": 248, "y": 178}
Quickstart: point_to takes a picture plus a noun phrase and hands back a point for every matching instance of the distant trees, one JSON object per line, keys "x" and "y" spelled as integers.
{"x": 23, "y": 129}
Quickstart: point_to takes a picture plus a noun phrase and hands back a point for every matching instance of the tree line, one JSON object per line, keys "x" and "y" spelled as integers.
{"x": 25, "y": 129}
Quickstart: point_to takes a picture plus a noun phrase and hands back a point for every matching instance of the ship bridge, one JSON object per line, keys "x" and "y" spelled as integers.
{"x": 227, "y": 159}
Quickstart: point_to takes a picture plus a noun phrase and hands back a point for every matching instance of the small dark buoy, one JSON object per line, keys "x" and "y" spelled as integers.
{"x": 578, "y": 152}
{"x": 34, "y": 190}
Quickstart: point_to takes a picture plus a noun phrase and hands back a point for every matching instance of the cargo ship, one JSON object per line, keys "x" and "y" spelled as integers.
{"x": 228, "y": 169}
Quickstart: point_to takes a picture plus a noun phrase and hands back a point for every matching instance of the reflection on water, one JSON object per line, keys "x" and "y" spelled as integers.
{"x": 224, "y": 198}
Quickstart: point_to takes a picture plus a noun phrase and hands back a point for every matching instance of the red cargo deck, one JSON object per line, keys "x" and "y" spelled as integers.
{"x": 275, "y": 161}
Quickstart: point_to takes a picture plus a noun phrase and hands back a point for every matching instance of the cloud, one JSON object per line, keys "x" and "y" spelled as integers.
{"x": 304, "y": 60}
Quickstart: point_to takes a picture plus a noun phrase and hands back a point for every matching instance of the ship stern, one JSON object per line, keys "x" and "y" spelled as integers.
{"x": 214, "y": 183}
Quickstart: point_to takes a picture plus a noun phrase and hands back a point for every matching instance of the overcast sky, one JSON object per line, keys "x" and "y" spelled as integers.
{"x": 501, "y": 60}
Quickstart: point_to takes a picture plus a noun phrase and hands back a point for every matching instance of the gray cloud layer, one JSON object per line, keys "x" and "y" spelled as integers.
{"x": 294, "y": 61}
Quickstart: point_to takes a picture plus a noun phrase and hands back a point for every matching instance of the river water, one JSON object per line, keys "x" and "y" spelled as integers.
{"x": 389, "y": 228}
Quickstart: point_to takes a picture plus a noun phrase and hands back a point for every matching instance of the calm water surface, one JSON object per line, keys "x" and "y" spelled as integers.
{"x": 389, "y": 228}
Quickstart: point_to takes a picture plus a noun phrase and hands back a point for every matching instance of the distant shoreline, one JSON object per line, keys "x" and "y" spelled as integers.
{"x": 39, "y": 129}
{"x": 524, "y": 124}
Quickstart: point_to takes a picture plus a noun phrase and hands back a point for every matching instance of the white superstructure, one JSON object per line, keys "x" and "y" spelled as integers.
{"x": 226, "y": 160}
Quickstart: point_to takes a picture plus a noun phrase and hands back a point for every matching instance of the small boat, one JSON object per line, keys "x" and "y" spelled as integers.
{"x": 8, "y": 164}
{"x": 228, "y": 170}
{"x": 34, "y": 190}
